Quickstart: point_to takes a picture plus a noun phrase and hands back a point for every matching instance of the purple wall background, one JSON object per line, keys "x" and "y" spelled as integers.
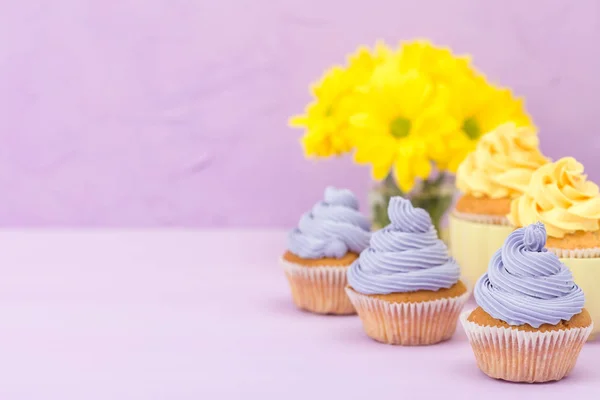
{"x": 152, "y": 113}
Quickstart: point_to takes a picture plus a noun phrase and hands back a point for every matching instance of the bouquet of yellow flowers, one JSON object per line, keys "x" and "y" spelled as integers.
{"x": 411, "y": 113}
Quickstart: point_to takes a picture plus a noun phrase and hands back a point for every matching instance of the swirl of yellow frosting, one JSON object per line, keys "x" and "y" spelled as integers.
{"x": 502, "y": 163}
{"x": 559, "y": 196}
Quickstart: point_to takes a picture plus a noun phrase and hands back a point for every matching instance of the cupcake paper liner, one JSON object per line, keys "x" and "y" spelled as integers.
{"x": 593, "y": 252}
{"x": 319, "y": 289}
{"x": 483, "y": 218}
{"x": 522, "y": 356}
{"x": 408, "y": 324}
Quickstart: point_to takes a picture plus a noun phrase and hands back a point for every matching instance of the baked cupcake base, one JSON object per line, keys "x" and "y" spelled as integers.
{"x": 576, "y": 245}
{"x": 410, "y": 319}
{"x": 318, "y": 285}
{"x": 522, "y": 353}
{"x": 483, "y": 209}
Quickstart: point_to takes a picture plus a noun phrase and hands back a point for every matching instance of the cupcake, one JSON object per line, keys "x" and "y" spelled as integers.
{"x": 327, "y": 240}
{"x": 405, "y": 287}
{"x": 498, "y": 170}
{"x": 530, "y": 324}
{"x": 560, "y": 196}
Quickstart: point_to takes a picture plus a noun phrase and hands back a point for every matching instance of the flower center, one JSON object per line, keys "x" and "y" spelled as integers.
{"x": 400, "y": 127}
{"x": 471, "y": 128}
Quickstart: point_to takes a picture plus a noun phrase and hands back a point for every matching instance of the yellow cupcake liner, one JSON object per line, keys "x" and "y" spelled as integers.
{"x": 586, "y": 274}
{"x": 576, "y": 253}
{"x": 408, "y": 324}
{"x": 482, "y": 218}
{"x": 319, "y": 289}
{"x": 522, "y": 356}
{"x": 472, "y": 244}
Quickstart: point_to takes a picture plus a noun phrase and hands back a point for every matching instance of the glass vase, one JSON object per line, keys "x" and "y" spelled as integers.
{"x": 434, "y": 194}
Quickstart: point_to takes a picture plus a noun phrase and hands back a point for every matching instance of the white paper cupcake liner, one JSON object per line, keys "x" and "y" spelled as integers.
{"x": 593, "y": 252}
{"x": 319, "y": 289}
{"x": 522, "y": 356}
{"x": 482, "y": 218}
{"x": 408, "y": 324}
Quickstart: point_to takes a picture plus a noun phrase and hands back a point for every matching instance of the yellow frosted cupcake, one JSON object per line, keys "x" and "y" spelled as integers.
{"x": 489, "y": 178}
{"x": 560, "y": 196}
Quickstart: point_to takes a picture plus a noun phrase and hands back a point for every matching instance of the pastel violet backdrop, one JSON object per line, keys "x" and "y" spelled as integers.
{"x": 143, "y": 113}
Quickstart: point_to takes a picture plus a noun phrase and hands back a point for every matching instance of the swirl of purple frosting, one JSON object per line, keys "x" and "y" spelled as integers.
{"x": 405, "y": 256}
{"x": 526, "y": 284}
{"x": 332, "y": 228}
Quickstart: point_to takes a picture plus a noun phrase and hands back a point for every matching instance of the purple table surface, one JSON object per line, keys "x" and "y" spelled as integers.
{"x": 206, "y": 315}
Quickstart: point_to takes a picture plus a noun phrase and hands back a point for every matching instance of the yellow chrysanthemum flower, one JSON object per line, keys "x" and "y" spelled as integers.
{"x": 439, "y": 63}
{"x": 403, "y": 109}
{"x": 479, "y": 107}
{"x": 326, "y": 119}
{"x": 400, "y": 117}
{"x": 364, "y": 61}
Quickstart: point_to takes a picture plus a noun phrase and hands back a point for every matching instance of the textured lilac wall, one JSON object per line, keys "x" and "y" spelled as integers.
{"x": 150, "y": 112}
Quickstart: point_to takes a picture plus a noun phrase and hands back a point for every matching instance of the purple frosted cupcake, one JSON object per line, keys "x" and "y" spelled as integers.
{"x": 327, "y": 240}
{"x": 530, "y": 324}
{"x": 405, "y": 287}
